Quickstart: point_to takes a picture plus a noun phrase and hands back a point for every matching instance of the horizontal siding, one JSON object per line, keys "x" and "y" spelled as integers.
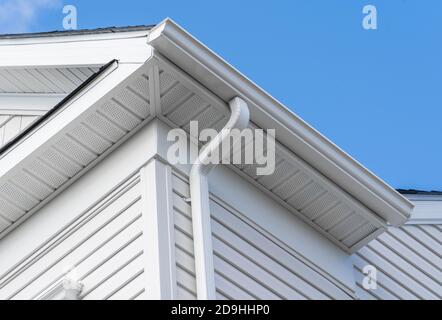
{"x": 12, "y": 125}
{"x": 104, "y": 246}
{"x": 408, "y": 262}
{"x": 184, "y": 254}
{"x": 263, "y": 261}
{"x": 249, "y": 263}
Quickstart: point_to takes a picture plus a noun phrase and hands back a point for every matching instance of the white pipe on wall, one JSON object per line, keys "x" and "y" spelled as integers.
{"x": 199, "y": 190}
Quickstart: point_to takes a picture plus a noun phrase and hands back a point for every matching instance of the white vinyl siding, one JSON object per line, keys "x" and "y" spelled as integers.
{"x": 249, "y": 262}
{"x": 408, "y": 262}
{"x": 104, "y": 245}
{"x": 184, "y": 254}
{"x": 12, "y": 125}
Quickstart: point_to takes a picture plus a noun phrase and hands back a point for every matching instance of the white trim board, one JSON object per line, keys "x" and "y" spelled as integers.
{"x": 89, "y": 50}
{"x": 428, "y": 209}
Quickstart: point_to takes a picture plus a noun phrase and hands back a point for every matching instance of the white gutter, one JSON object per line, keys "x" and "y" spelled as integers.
{"x": 428, "y": 209}
{"x": 199, "y": 191}
{"x": 226, "y": 82}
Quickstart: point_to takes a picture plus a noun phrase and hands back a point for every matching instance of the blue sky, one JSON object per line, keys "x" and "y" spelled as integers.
{"x": 375, "y": 93}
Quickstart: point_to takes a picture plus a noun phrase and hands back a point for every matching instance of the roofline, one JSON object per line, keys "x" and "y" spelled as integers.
{"x": 63, "y": 33}
{"x": 419, "y": 192}
{"x": 224, "y": 80}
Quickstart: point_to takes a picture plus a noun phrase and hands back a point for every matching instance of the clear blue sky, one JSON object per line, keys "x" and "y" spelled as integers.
{"x": 377, "y": 94}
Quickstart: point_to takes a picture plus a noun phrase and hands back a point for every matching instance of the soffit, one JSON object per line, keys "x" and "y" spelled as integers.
{"x": 176, "y": 98}
{"x": 61, "y": 80}
{"x": 226, "y": 82}
{"x": 295, "y": 184}
{"x": 96, "y": 120}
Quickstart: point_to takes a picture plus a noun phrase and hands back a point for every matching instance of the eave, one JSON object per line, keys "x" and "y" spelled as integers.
{"x": 178, "y": 81}
{"x": 226, "y": 82}
{"x": 74, "y": 48}
{"x": 66, "y": 143}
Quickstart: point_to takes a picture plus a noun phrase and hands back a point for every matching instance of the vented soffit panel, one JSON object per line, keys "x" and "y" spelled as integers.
{"x": 43, "y": 80}
{"x": 295, "y": 184}
{"x": 123, "y": 99}
{"x": 186, "y": 52}
{"x": 84, "y": 128}
{"x": 72, "y": 49}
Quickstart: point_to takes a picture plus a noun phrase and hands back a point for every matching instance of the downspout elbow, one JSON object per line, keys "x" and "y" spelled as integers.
{"x": 239, "y": 119}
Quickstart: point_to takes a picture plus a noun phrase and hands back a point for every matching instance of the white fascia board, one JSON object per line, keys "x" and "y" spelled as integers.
{"x": 428, "y": 209}
{"x": 48, "y": 131}
{"x": 28, "y": 103}
{"x": 225, "y": 81}
{"x": 92, "y": 36}
{"x": 74, "y": 51}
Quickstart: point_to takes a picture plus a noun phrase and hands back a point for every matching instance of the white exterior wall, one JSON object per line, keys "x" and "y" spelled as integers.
{"x": 408, "y": 261}
{"x": 184, "y": 253}
{"x": 95, "y": 225}
{"x": 261, "y": 250}
{"x": 250, "y": 262}
{"x": 12, "y": 125}
{"x": 104, "y": 244}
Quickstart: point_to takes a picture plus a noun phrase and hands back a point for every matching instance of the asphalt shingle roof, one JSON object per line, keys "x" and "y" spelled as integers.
{"x": 57, "y": 33}
{"x": 412, "y": 191}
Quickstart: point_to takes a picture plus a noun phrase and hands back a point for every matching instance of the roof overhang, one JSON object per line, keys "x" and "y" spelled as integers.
{"x": 89, "y": 120}
{"x": 226, "y": 82}
{"x": 178, "y": 81}
{"x": 74, "y": 48}
{"x": 54, "y": 152}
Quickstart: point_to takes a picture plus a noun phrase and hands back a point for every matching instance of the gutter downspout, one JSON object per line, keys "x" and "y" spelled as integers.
{"x": 199, "y": 192}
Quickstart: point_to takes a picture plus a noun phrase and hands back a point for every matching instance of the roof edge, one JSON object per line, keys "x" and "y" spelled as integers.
{"x": 419, "y": 192}
{"x": 63, "y": 33}
{"x": 195, "y": 58}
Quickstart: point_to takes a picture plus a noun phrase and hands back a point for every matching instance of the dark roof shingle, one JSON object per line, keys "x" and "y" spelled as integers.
{"x": 412, "y": 191}
{"x": 57, "y": 33}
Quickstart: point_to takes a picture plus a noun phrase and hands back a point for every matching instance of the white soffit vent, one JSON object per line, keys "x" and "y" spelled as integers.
{"x": 295, "y": 184}
{"x": 347, "y": 175}
{"x": 123, "y": 107}
{"x": 43, "y": 80}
